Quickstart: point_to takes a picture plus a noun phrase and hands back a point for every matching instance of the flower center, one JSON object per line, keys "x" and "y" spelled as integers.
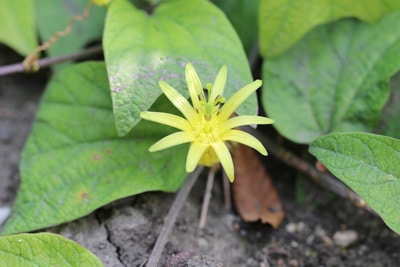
{"x": 206, "y": 130}
{"x": 210, "y": 107}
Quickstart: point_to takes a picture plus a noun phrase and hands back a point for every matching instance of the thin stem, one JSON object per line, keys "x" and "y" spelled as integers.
{"x": 323, "y": 179}
{"x": 171, "y": 217}
{"x": 207, "y": 198}
{"x": 45, "y": 62}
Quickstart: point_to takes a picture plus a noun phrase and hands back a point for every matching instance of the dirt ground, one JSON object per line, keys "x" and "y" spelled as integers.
{"x": 123, "y": 233}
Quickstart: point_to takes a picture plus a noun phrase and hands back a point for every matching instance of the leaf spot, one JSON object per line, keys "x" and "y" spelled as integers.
{"x": 84, "y": 195}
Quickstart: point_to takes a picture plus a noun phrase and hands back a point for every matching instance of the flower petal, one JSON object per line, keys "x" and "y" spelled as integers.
{"x": 196, "y": 150}
{"x": 225, "y": 158}
{"x": 244, "y": 120}
{"x": 219, "y": 83}
{"x": 172, "y": 140}
{"x": 194, "y": 84}
{"x": 246, "y": 139}
{"x": 177, "y": 100}
{"x": 167, "y": 119}
{"x": 238, "y": 98}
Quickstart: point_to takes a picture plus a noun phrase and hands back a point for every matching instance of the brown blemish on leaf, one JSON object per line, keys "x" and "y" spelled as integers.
{"x": 108, "y": 151}
{"x": 254, "y": 194}
{"x": 82, "y": 195}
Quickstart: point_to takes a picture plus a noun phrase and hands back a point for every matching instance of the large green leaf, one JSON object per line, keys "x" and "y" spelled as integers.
{"x": 243, "y": 14}
{"x": 284, "y": 22}
{"x": 44, "y": 250}
{"x": 368, "y": 164}
{"x": 142, "y": 48}
{"x": 18, "y": 25}
{"x": 74, "y": 162}
{"x": 336, "y": 79}
{"x": 53, "y": 16}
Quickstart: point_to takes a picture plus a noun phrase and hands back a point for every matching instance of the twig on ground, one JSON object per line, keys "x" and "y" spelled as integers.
{"x": 207, "y": 197}
{"x": 45, "y": 62}
{"x": 323, "y": 179}
{"x": 171, "y": 217}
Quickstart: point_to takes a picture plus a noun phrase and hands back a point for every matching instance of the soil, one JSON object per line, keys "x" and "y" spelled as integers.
{"x": 123, "y": 233}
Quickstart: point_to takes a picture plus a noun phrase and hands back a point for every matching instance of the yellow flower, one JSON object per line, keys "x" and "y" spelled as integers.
{"x": 207, "y": 123}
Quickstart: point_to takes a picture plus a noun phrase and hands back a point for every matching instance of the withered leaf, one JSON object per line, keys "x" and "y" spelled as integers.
{"x": 254, "y": 194}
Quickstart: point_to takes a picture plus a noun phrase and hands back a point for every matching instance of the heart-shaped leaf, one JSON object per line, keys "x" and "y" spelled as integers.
{"x": 142, "y": 48}
{"x": 44, "y": 250}
{"x": 74, "y": 162}
{"x": 368, "y": 164}
{"x": 18, "y": 25}
{"x": 336, "y": 79}
{"x": 283, "y": 23}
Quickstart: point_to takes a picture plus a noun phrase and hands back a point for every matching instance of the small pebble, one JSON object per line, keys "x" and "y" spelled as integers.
{"x": 295, "y": 227}
{"x": 294, "y": 244}
{"x": 345, "y": 238}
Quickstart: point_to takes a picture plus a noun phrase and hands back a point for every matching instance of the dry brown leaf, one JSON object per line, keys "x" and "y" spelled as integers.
{"x": 254, "y": 194}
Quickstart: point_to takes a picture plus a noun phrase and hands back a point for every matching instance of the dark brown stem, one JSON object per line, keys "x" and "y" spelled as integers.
{"x": 171, "y": 217}
{"x": 45, "y": 62}
{"x": 323, "y": 179}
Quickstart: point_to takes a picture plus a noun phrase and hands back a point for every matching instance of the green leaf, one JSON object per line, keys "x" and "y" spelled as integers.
{"x": 243, "y": 15}
{"x": 336, "y": 79}
{"x": 140, "y": 49}
{"x": 368, "y": 164}
{"x": 44, "y": 249}
{"x": 74, "y": 162}
{"x": 284, "y": 22}
{"x": 18, "y": 26}
{"x": 53, "y": 16}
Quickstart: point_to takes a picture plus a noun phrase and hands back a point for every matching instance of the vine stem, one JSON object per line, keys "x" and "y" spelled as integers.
{"x": 46, "y": 62}
{"x": 169, "y": 222}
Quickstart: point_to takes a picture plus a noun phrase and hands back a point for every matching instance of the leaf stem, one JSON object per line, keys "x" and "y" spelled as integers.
{"x": 45, "y": 62}
{"x": 323, "y": 179}
{"x": 171, "y": 217}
